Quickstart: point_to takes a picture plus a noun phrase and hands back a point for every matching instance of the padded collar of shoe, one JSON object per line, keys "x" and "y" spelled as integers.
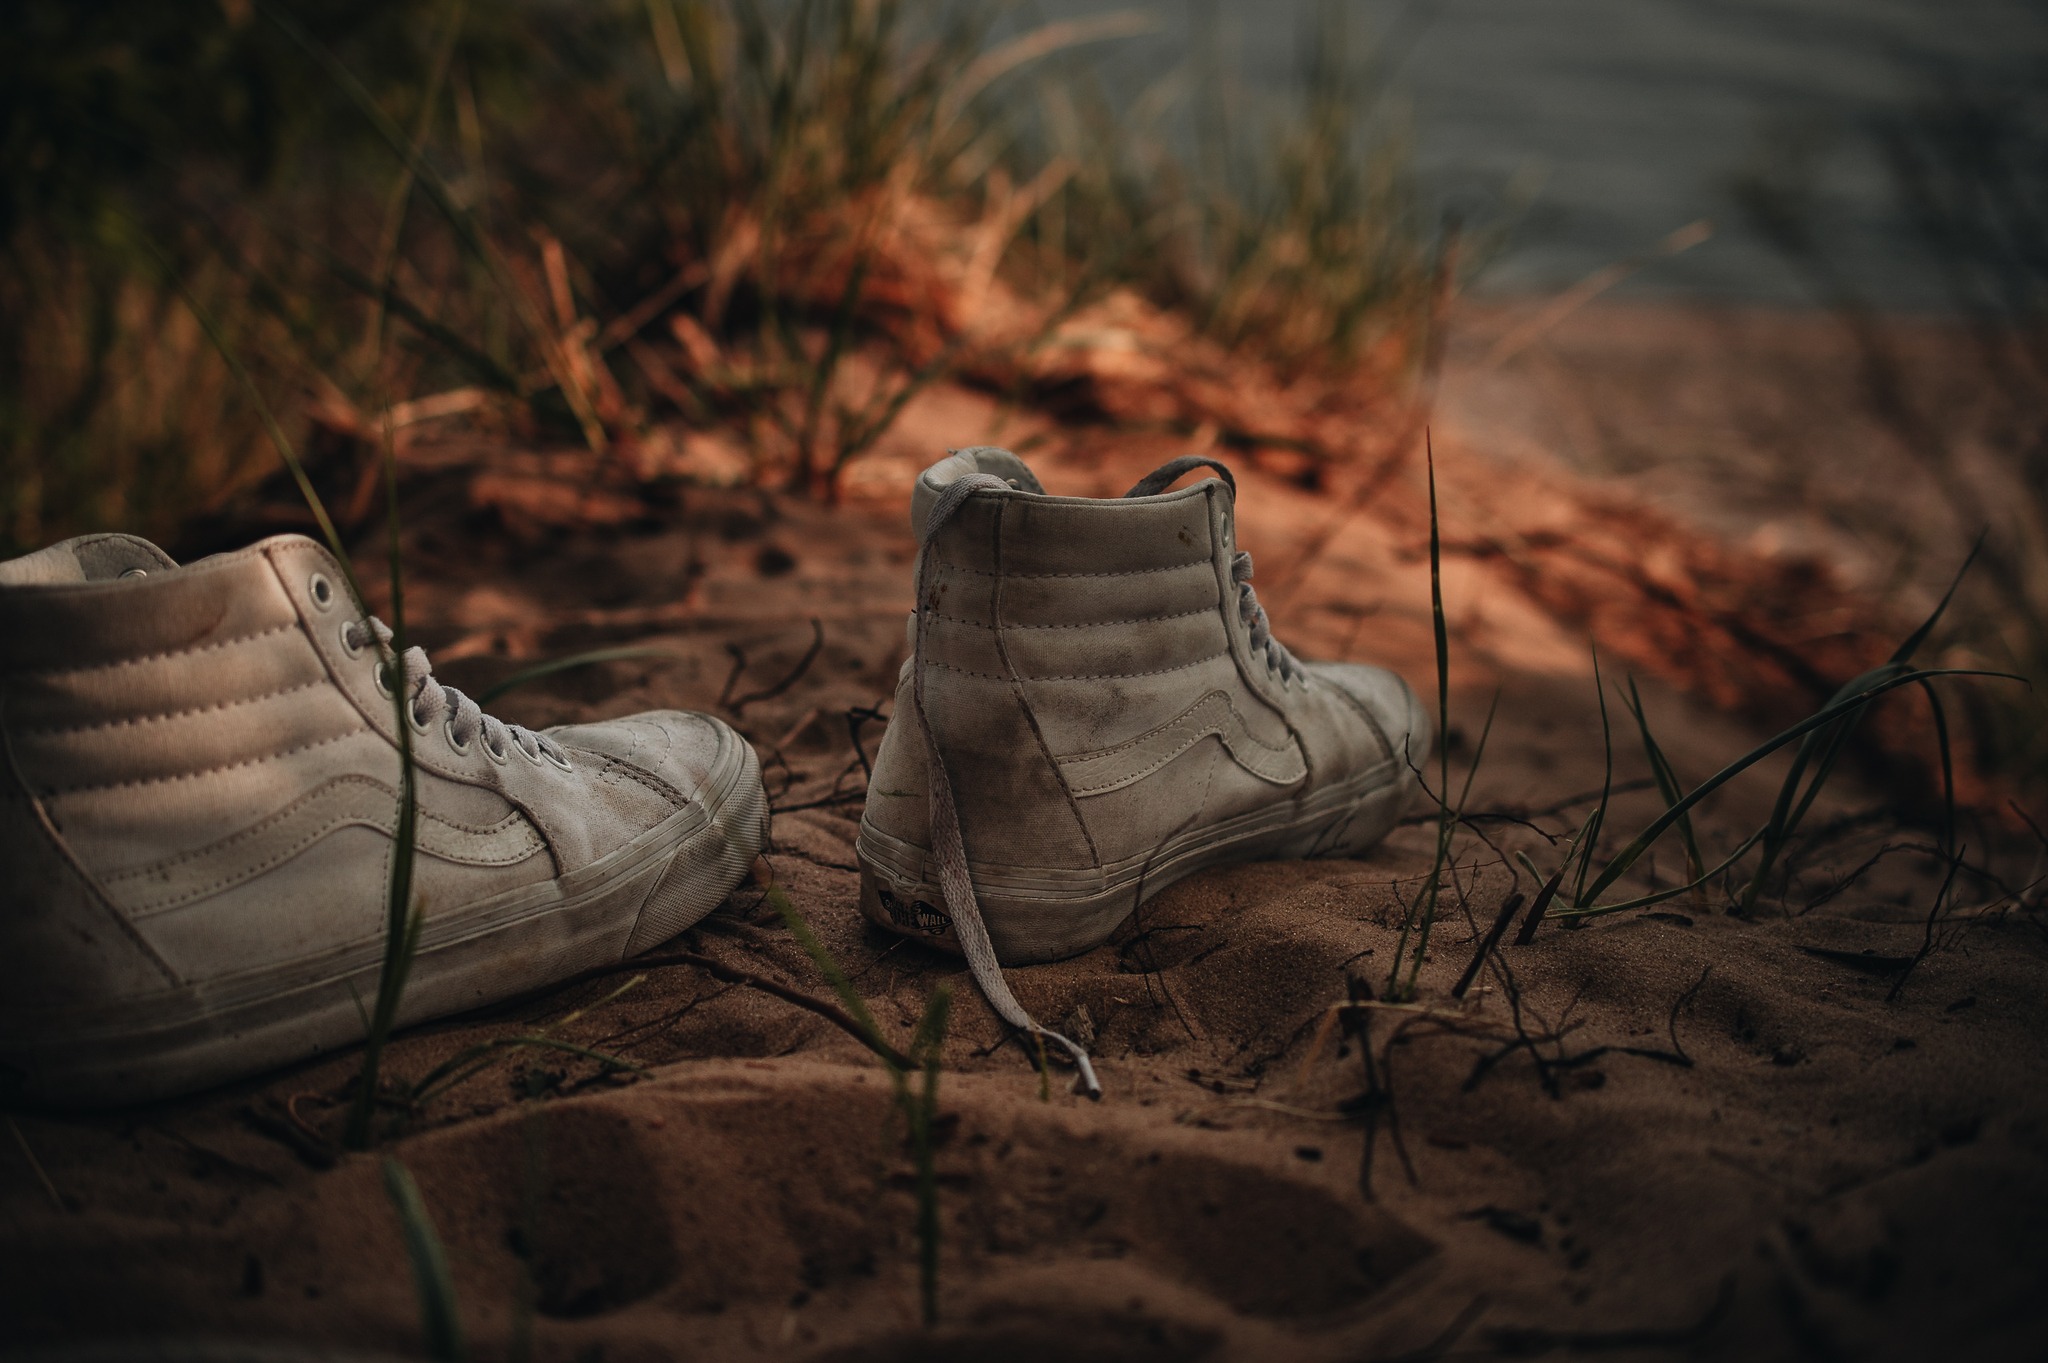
{"x": 987, "y": 459}
{"x": 89, "y": 558}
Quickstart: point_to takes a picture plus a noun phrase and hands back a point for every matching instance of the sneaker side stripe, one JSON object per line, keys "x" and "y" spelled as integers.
{"x": 272, "y": 841}
{"x": 1107, "y": 769}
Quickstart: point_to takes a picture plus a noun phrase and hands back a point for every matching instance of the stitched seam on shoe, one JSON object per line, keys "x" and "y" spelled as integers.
{"x": 50, "y": 729}
{"x": 203, "y": 771}
{"x": 1188, "y": 741}
{"x": 166, "y": 653}
{"x": 1277, "y": 749}
{"x": 1092, "y": 676}
{"x": 1085, "y": 624}
{"x": 1128, "y": 572}
{"x": 652, "y": 783}
{"x": 533, "y": 844}
{"x": 270, "y": 820}
{"x": 1372, "y": 721}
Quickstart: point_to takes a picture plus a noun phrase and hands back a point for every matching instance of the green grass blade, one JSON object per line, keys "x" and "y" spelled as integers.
{"x": 401, "y": 927}
{"x": 247, "y": 383}
{"x": 1425, "y": 899}
{"x": 1589, "y": 839}
{"x": 440, "y": 1320}
{"x": 1445, "y": 834}
{"x": 849, "y": 997}
{"x": 463, "y": 221}
{"x": 1659, "y": 896}
{"x": 1628, "y": 856}
{"x": 474, "y": 1060}
{"x": 401, "y": 943}
{"x": 1532, "y": 919}
{"x": 1911, "y": 644}
{"x": 1819, "y": 752}
{"x": 1948, "y": 773}
{"x": 1667, "y": 782}
{"x": 1823, "y": 748}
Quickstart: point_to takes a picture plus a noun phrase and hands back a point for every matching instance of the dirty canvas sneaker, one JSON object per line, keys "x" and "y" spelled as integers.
{"x": 1094, "y": 708}
{"x": 197, "y": 816}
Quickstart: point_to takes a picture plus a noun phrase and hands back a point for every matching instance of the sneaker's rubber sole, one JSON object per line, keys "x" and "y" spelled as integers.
{"x": 195, "y": 1036}
{"x": 1039, "y": 914}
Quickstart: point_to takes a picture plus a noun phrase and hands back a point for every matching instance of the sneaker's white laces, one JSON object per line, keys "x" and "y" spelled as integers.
{"x": 1249, "y": 610}
{"x": 429, "y": 701}
{"x": 1257, "y": 627}
{"x": 949, "y": 849}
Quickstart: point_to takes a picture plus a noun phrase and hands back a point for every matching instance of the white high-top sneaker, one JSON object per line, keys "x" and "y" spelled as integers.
{"x": 1093, "y": 709}
{"x": 198, "y": 809}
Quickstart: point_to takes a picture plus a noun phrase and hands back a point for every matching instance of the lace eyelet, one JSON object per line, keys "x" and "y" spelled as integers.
{"x": 561, "y": 763}
{"x": 412, "y": 718}
{"x": 497, "y": 757}
{"x": 321, "y": 590}
{"x": 352, "y": 649}
{"x": 448, "y": 733}
{"x": 383, "y": 685}
{"x": 134, "y": 573}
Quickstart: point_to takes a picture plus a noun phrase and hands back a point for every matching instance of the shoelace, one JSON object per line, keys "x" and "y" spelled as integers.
{"x": 1248, "y": 608}
{"x": 429, "y": 701}
{"x": 949, "y": 847}
{"x": 1256, "y": 625}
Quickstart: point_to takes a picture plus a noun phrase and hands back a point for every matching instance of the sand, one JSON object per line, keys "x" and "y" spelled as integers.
{"x": 1706, "y": 1137}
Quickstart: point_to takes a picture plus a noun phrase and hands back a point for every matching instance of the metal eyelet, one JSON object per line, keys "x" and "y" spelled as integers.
{"x": 134, "y": 573}
{"x": 321, "y": 590}
{"x": 353, "y": 650}
{"x": 412, "y": 718}
{"x": 448, "y": 733}
{"x": 383, "y": 686}
{"x": 554, "y": 761}
{"x": 500, "y": 758}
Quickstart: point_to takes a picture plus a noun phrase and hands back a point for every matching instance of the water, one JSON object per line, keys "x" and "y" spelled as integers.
{"x": 1601, "y": 126}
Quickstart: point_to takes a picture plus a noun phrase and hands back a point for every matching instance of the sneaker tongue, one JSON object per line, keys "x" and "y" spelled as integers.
{"x": 1163, "y": 477}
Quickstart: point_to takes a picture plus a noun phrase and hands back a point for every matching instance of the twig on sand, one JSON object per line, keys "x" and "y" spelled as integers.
{"x": 1549, "y": 1066}
{"x": 1679, "y": 1005}
{"x": 1927, "y": 943}
{"x": 719, "y": 970}
{"x": 856, "y": 718}
{"x": 735, "y": 705}
{"x": 42, "y": 1176}
{"x": 269, "y": 1119}
{"x": 1449, "y": 1335}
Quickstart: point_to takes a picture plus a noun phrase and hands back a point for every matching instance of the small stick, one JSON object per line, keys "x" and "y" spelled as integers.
{"x": 1492, "y": 940}
{"x": 718, "y": 970}
{"x": 56, "y": 1198}
{"x": 795, "y": 675}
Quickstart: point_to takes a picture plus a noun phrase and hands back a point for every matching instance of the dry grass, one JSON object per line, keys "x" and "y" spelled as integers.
{"x": 622, "y": 222}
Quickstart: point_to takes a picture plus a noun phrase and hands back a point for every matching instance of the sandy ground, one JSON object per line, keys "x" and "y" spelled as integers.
{"x": 1668, "y": 1134}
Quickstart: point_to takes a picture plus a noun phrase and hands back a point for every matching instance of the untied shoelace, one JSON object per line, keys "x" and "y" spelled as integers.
{"x": 949, "y": 847}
